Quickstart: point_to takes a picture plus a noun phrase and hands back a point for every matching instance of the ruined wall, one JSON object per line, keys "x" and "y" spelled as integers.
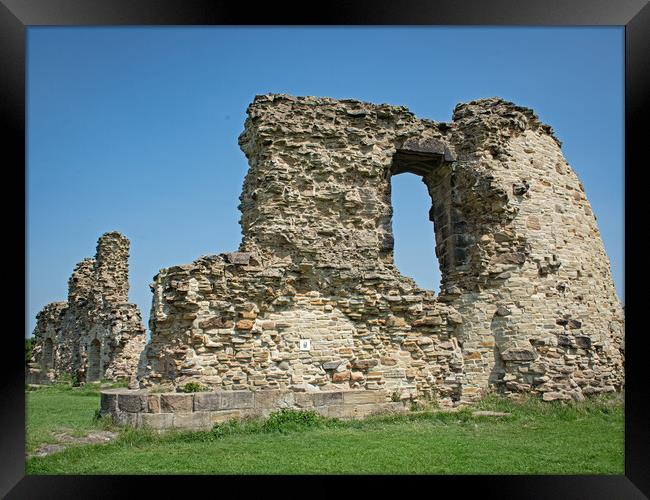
{"x": 527, "y": 301}
{"x": 96, "y": 334}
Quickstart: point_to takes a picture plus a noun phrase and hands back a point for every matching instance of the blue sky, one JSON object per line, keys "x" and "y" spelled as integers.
{"x": 135, "y": 129}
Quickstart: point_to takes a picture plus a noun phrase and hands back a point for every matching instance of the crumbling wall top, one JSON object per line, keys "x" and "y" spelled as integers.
{"x": 112, "y": 267}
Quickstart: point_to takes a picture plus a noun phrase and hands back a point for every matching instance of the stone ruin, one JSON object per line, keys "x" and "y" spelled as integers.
{"x": 96, "y": 334}
{"x": 312, "y": 307}
{"x": 312, "y": 300}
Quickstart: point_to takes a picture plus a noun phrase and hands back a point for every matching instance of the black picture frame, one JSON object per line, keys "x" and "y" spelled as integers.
{"x": 634, "y": 15}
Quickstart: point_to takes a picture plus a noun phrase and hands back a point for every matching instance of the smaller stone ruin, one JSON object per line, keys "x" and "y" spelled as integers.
{"x": 96, "y": 334}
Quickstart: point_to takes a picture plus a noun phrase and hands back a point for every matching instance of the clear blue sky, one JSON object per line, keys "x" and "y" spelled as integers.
{"x": 135, "y": 129}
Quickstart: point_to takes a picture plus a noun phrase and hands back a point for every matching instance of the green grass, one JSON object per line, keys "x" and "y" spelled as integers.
{"x": 538, "y": 438}
{"x": 58, "y": 408}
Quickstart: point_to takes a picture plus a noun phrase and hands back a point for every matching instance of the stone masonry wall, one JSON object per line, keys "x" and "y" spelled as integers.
{"x": 96, "y": 334}
{"x": 200, "y": 411}
{"x": 527, "y": 302}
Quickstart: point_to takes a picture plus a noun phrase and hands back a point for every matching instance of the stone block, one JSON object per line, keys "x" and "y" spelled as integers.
{"x": 327, "y": 398}
{"x": 108, "y": 402}
{"x": 176, "y": 403}
{"x": 518, "y": 354}
{"x": 153, "y": 403}
{"x": 244, "y": 324}
{"x": 337, "y": 411}
{"x": 363, "y": 397}
{"x": 199, "y": 420}
{"x": 217, "y": 417}
{"x": 554, "y": 396}
{"x": 239, "y": 258}
{"x": 157, "y": 421}
{"x": 132, "y": 403}
{"x": 304, "y": 399}
{"x": 126, "y": 418}
{"x": 341, "y": 377}
{"x": 236, "y": 399}
{"x": 216, "y": 322}
{"x": 207, "y": 401}
{"x": 364, "y": 364}
{"x": 273, "y": 399}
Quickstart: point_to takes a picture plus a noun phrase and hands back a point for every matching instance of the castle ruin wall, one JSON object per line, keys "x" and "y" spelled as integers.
{"x": 312, "y": 299}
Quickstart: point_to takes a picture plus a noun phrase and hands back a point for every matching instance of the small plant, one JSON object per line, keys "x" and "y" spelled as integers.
{"x": 193, "y": 387}
{"x": 395, "y": 397}
{"x": 289, "y": 420}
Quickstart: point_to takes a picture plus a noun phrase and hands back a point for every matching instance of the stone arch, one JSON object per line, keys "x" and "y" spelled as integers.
{"x": 47, "y": 358}
{"x": 94, "y": 361}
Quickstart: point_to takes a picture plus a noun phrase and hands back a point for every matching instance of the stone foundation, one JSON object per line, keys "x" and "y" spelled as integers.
{"x": 202, "y": 410}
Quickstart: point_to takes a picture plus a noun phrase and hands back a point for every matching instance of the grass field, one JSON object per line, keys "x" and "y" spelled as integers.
{"x": 537, "y": 438}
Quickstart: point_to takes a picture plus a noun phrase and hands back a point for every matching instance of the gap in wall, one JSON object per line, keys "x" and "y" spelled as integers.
{"x": 414, "y": 247}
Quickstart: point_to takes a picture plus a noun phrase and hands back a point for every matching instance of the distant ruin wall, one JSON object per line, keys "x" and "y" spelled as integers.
{"x": 527, "y": 301}
{"x": 96, "y": 334}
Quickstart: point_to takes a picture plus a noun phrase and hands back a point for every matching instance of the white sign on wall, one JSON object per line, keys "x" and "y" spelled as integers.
{"x": 305, "y": 344}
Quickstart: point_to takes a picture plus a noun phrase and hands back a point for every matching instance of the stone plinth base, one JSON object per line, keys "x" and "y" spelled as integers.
{"x": 201, "y": 410}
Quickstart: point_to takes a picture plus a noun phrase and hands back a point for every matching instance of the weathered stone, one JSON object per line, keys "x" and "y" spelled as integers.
{"x": 132, "y": 403}
{"x": 341, "y": 376}
{"x": 175, "y": 403}
{"x": 217, "y": 417}
{"x": 574, "y": 324}
{"x": 200, "y": 420}
{"x": 554, "y": 396}
{"x": 363, "y": 397}
{"x": 518, "y": 354}
{"x": 216, "y": 322}
{"x": 207, "y": 401}
{"x": 240, "y": 258}
{"x": 327, "y": 398}
{"x": 153, "y": 403}
{"x": 244, "y": 324}
{"x": 332, "y": 365}
{"x": 364, "y": 364}
{"x": 503, "y": 311}
{"x": 236, "y": 400}
{"x": 273, "y": 399}
{"x": 108, "y": 401}
{"x": 157, "y": 421}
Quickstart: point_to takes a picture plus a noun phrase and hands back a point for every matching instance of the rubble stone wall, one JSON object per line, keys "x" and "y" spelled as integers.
{"x": 96, "y": 328}
{"x": 527, "y": 300}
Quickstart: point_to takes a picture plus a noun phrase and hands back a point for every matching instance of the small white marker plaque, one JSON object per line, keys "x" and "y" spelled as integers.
{"x": 305, "y": 344}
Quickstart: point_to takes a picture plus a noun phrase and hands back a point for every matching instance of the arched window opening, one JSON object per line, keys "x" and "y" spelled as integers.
{"x": 94, "y": 361}
{"x": 48, "y": 354}
{"x": 413, "y": 233}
